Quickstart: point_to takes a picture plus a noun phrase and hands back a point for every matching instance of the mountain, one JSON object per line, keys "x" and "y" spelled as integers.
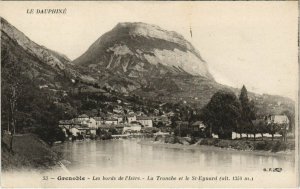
{"x": 133, "y": 59}
{"x": 134, "y": 49}
{"x": 150, "y": 62}
{"x": 146, "y": 60}
{"x": 43, "y": 66}
{"x": 41, "y": 53}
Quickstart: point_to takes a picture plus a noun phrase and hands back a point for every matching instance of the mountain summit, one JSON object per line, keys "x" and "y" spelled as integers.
{"x": 137, "y": 49}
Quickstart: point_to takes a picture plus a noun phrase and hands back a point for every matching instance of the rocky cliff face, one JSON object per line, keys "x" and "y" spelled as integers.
{"x": 137, "y": 49}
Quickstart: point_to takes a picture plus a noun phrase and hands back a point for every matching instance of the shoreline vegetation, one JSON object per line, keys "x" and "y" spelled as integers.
{"x": 240, "y": 145}
{"x": 29, "y": 153}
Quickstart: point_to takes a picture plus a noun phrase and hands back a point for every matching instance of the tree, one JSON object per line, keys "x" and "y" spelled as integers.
{"x": 159, "y": 124}
{"x": 291, "y": 116}
{"x": 273, "y": 128}
{"x": 175, "y": 118}
{"x": 12, "y": 85}
{"x": 283, "y": 128}
{"x": 247, "y": 113}
{"x": 28, "y": 108}
{"x": 260, "y": 126}
{"x": 222, "y": 114}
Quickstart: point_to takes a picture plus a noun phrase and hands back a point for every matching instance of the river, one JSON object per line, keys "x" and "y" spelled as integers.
{"x": 106, "y": 163}
{"x": 131, "y": 157}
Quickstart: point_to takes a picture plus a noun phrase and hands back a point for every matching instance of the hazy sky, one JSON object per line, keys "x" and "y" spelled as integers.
{"x": 251, "y": 43}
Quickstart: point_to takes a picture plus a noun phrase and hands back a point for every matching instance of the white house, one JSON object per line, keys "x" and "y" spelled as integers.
{"x": 83, "y": 117}
{"x": 132, "y": 128}
{"x": 145, "y": 121}
{"x": 131, "y": 118}
{"x": 278, "y": 119}
{"x": 92, "y": 123}
{"x": 111, "y": 121}
{"x": 93, "y": 131}
{"x": 74, "y": 131}
{"x": 198, "y": 126}
{"x": 119, "y": 118}
{"x": 99, "y": 121}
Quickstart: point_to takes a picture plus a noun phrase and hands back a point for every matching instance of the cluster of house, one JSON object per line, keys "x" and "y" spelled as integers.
{"x": 199, "y": 126}
{"x": 278, "y": 119}
{"x": 85, "y": 125}
{"x": 281, "y": 120}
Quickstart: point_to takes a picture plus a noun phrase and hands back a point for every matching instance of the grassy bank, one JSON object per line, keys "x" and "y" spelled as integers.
{"x": 240, "y": 144}
{"x": 247, "y": 145}
{"x": 29, "y": 152}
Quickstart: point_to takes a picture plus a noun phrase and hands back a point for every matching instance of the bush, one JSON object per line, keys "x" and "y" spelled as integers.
{"x": 261, "y": 145}
{"x": 93, "y": 136}
{"x": 224, "y": 144}
{"x": 181, "y": 132}
{"x": 209, "y": 141}
{"x": 279, "y": 146}
{"x": 50, "y": 134}
{"x": 171, "y": 140}
{"x": 247, "y": 145}
{"x": 158, "y": 138}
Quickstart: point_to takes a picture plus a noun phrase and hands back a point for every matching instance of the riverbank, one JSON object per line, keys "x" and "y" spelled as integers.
{"x": 29, "y": 153}
{"x": 260, "y": 147}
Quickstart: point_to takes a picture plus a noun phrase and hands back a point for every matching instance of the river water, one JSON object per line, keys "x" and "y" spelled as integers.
{"x": 103, "y": 163}
{"x": 131, "y": 157}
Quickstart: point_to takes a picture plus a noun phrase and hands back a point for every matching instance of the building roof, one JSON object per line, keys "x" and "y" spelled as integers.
{"x": 181, "y": 122}
{"x": 69, "y": 122}
{"x": 76, "y": 122}
{"x": 280, "y": 119}
{"x": 110, "y": 119}
{"x": 143, "y": 118}
{"x": 131, "y": 114}
{"x": 83, "y": 116}
{"x": 64, "y": 122}
{"x": 98, "y": 118}
{"x": 108, "y": 126}
{"x": 105, "y": 127}
{"x": 83, "y": 128}
{"x": 197, "y": 123}
{"x": 80, "y": 127}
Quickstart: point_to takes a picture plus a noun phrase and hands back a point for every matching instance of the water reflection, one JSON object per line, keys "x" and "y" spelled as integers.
{"x": 129, "y": 156}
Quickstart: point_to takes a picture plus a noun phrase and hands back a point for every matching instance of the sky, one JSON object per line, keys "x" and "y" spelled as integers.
{"x": 249, "y": 42}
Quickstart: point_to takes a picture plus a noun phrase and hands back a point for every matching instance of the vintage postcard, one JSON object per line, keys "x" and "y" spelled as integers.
{"x": 149, "y": 94}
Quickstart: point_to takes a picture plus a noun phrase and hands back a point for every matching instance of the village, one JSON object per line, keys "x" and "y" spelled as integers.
{"x": 140, "y": 125}
{"x": 116, "y": 126}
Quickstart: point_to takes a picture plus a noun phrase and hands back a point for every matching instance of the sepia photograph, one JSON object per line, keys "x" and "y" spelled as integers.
{"x": 116, "y": 94}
